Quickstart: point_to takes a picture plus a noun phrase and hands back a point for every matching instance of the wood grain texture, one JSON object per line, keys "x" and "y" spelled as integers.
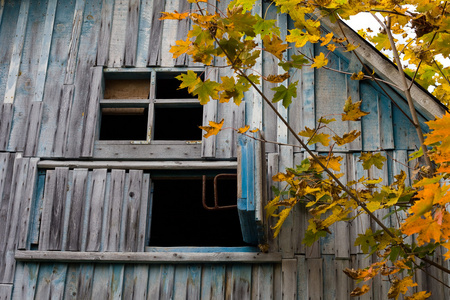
{"x": 183, "y": 28}
{"x": 62, "y": 120}
{"x": 32, "y": 128}
{"x": 97, "y": 198}
{"x": 118, "y": 34}
{"x": 289, "y": 278}
{"x": 115, "y": 200}
{"x": 74, "y": 46}
{"x": 5, "y": 291}
{"x": 210, "y": 114}
{"x": 154, "y": 48}
{"x": 6, "y": 113}
{"x": 6, "y": 172}
{"x": 105, "y": 33}
{"x": 132, "y": 30}
{"x": 315, "y": 278}
{"x": 25, "y": 285}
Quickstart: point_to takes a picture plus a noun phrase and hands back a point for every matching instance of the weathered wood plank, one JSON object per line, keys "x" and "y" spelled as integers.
{"x": 154, "y": 277}
{"x": 27, "y": 204}
{"x": 180, "y": 282}
{"x": 213, "y": 281}
{"x": 329, "y": 278}
{"x": 130, "y": 213}
{"x": 286, "y": 234}
{"x": 144, "y": 213}
{"x": 155, "y": 151}
{"x": 302, "y": 278}
{"x": 209, "y": 114}
{"x": 289, "y": 278}
{"x": 51, "y": 281}
{"x": 182, "y": 31}
{"x": 32, "y": 128}
{"x": 73, "y": 47}
{"x": 148, "y": 257}
{"x": 47, "y": 210}
{"x": 272, "y": 169}
{"x": 45, "y": 50}
{"x": 132, "y": 30}
{"x": 166, "y": 282}
{"x": 97, "y": 196}
{"x": 315, "y": 278}
{"x": 154, "y": 48}
{"x": 115, "y": 201}
{"x": 101, "y": 284}
{"x": 145, "y": 21}
{"x": 105, "y": 32}
{"x": 25, "y": 282}
{"x": 370, "y": 123}
{"x": 264, "y": 281}
{"x": 62, "y": 121}
{"x": 92, "y": 112}
{"x": 118, "y": 34}
{"x": 5, "y": 291}
{"x": 6, "y": 172}
{"x": 343, "y": 283}
{"x": 342, "y": 229}
{"x": 241, "y": 282}
{"x": 18, "y": 42}
{"x": 169, "y": 35}
{"x": 77, "y": 203}
{"x": 6, "y": 113}
{"x": 308, "y": 84}
{"x": 141, "y": 165}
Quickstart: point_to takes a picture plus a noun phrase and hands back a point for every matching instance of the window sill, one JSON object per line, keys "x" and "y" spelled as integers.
{"x": 147, "y": 257}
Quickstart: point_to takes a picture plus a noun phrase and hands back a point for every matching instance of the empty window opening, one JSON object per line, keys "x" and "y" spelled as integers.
{"x": 124, "y": 123}
{"x": 127, "y": 88}
{"x": 178, "y": 122}
{"x": 167, "y": 86}
{"x": 179, "y": 219}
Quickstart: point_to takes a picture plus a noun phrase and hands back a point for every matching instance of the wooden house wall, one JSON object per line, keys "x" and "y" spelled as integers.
{"x": 52, "y": 57}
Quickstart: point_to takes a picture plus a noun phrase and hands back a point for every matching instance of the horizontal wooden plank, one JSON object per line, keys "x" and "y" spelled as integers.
{"x": 147, "y": 257}
{"x": 134, "y": 151}
{"x": 139, "y": 165}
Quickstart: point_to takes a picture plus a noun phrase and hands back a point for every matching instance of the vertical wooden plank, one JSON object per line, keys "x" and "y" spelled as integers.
{"x": 213, "y": 281}
{"x": 74, "y": 46}
{"x": 308, "y": 83}
{"x": 194, "y": 275}
{"x": 342, "y": 235}
{"x": 180, "y": 282}
{"x": 93, "y": 107}
{"x": 141, "y": 282}
{"x": 116, "y": 196}
{"x": 62, "y": 120}
{"x": 166, "y": 282}
{"x": 97, "y": 197}
{"x": 27, "y": 204}
{"x": 132, "y": 30}
{"x": 6, "y": 291}
{"x": 209, "y": 114}
{"x": 343, "y": 283}
{"x": 87, "y": 52}
{"x": 145, "y": 21}
{"x": 16, "y": 58}
{"x": 32, "y": 128}
{"x": 102, "y": 281}
{"x": 25, "y": 282}
{"x": 277, "y": 278}
{"x": 183, "y": 28}
{"x": 154, "y": 284}
{"x": 130, "y": 212}
{"x": 272, "y": 169}
{"x": 85, "y": 279}
{"x": 370, "y": 123}
{"x": 45, "y": 50}
{"x": 241, "y": 281}
{"x": 6, "y": 172}
{"x": 353, "y": 92}
{"x": 315, "y": 278}
{"x": 385, "y": 121}
{"x": 154, "y": 48}
{"x": 289, "y": 278}
{"x": 302, "y": 278}
{"x": 116, "y": 289}
{"x": 169, "y": 35}
{"x": 264, "y": 281}
{"x": 143, "y": 213}
{"x": 77, "y": 204}
{"x": 286, "y": 234}
{"x": 49, "y": 197}
{"x": 118, "y": 34}
{"x": 329, "y": 278}
{"x": 51, "y": 281}
{"x": 6, "y": 114}
{"x": 105, "y": 32}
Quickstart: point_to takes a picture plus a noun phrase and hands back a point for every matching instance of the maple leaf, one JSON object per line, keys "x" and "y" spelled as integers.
{"x": 173, "y": 16}
{"x": 359, "y": 291}
{"x": 180, "y": 47}
{"x": 352, "y": 111}
{"x": 400, "y": 286}
{"x": 265, "y": 27}
{"x": 347, "y": 137}
{"x": 370, "y": 159}
{"x": 277, "y": 78}
{"x": 358, "y": 76}
{"x": 244, "y": 129}
{"x": 325, "y": 120}
{"x": 298, "y": 37}
{"x": 331, "y": 47}
{"x": 331, "y": 162}
{"x": 326, "y": 39}
{"x": 285, "y": 94}
{"x": 212, "y": 129}
{"x": 274, "y": 46}
{"x": 351, "y": 47}
{"x": 188, "y": 80}
{"x": 319, "y": 61}
{"x": 297, "y": 61}
{"x": 419, "y": 296}
{"x": 315, "y": 137}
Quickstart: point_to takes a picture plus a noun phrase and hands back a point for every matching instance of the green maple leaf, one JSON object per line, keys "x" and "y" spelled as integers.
{"x": 297, "y": 61}
{"x": 285, "y": 94}
{"x": 188, "y": 80}
{"x": 370, "y": 159}
{"x": 352, "y": 111}
{"x": 206, "y": 89}
{"x": 366, "y": 241}
{"x": 243, "y": 22}
{"x": 265, "y": 27}
{"x": 315, "y": 137}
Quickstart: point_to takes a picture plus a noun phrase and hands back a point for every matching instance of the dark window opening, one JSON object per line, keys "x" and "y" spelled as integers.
{"x": 167, "y": 86}
{"x": 178, "y": 122}
{"x": 124, "y": 123}
{"x": 179, "y": 219}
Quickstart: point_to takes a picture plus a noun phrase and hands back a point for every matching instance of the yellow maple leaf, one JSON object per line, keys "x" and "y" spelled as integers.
{"x": 326, "y": 39}
{"x": 332, "y": 162}
{"x": 212, "y": 129}
{"x": 419, "y": 296}
{"x": 275, "y": 46}
{"x": 359, "y": 291}
{"x": 319, "y": 61}
{"x": 180, "y": 47}
{"x": 331, "y": 47}
{"x": 244, "y": 129}
{"x": 352, "y": 111}
{"x": 347, "y": 137}
{"x": 358, "y": 76}
{"x": 315, "y": 137}
{"x": 277, "y": 78}
{"x": 351, "y": 47}
{"x": 173, "y": 16}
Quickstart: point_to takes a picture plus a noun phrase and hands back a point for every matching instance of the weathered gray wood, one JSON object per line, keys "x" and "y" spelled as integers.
{"x": 302, "y": 279}
{"x": 154, "y": 277}
{"x": 25, "y": 283}
{"x": 32, "y": 129}
{"x": 131, "y": 212}
{"x": 144, "y": 213}
{"x": 74, "y": 46}
{"x": 96, "y": 210}
{"x": 18, "y": 42}
{"x": 154, "y": 48}
{"x": 77, "y": 203}
{"x": 329, "y": 278}
{"x": 118, "y": 34}
{"x": 92, "y": 113}
{"x": 213, "y": 281}
{"x": 27, "y": 204}
{"x": 115, "y": 201}
{"x": 7, "y": 264}
{"x": 6, "y": 113}
{"x": 342, "y": 229}
{"x": 209, "y": 114}
{"x": 135, "y": 282}
{"x": 343, "y": 282}
{"x": 101, "y": 285}
{"x": 132, "y": 30}
{"x": 262, "y": 281}
{"x": 148, "y": 257}
{"x": 272, "y": 169}
{"x": 183, "y": 28}
{"x": 51, "y": 281}
{"x": 144, "y": 32}
{"x": 6, "y": 177}
{"x": 105, "y": 32}
{"x": 315, "y": 278}
{"x": 241, "y": 282}
{"x": 180, "y": 282}
{"x": 141, "y": 165}
{"x": 289, "y": 278}
{"x": 286, "y": 234}
{"x": 46, "y": 217}
{"x": 166, "y": 282}
{"x": 62, "y": 121}
{"x": 156, "y": 151}
{"x": 308, "y": 84}
{"x": 5, "y": 291}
